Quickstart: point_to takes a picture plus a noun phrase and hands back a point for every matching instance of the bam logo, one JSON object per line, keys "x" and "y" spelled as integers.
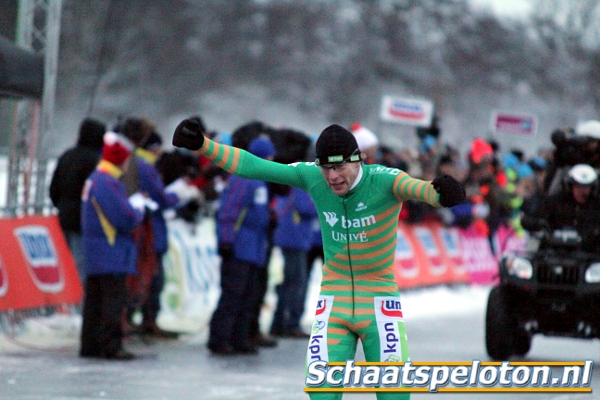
{"x": 40, "y": 255}
{"x": 358, "y": 222}
{"x": 331, "y": 218}
{"x": 3, "y": 279}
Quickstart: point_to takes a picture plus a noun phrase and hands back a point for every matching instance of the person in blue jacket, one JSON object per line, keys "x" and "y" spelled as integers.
{"x": 151, "y": 182}
{"x": 142, "y": 176}
{"x": 293, "y": 236}
{"x": 242, "y": 221}
{"x": 108, "y": 218}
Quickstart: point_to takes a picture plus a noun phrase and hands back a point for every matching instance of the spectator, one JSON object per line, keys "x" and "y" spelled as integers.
{"x": 142, "y": 176}
{"x": 295, "y": 213}
{"x": 242, "y": 222}
{"x": 368, "y": 143}
{"x": 108, "y": 220}
{"x": 390, "y": 159}
{"x": 575, "y": 206}
{"x": 256, "y": 336}
{"x": 181, "y": 192}
{"x": 315, "y": 252}
{"x": 73, "y": 168}
{"x": 532, "y": 203}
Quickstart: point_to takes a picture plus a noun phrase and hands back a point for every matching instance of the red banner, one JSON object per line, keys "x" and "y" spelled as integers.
{"x": 430, "y": 254}
{"x": 36, "y": 266}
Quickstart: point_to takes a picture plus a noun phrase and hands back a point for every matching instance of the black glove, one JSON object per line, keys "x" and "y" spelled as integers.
{"x": 188, "y": 134}
{"x": 451, "y": 191}
{"x": 225, "y": 250}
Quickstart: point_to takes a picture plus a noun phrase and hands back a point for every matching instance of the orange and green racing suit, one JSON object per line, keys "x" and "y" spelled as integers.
{"x": 359, "y": 297}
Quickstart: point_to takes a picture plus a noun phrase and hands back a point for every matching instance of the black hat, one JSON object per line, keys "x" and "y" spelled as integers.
{"x": 336, "y": 145}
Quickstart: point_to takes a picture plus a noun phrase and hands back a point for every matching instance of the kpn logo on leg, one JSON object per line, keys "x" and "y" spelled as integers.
{"x": 40, "y": 256}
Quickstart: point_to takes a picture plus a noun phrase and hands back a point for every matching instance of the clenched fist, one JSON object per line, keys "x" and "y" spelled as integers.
{"x": 451, "y": 191}
{"x": 188, "y": 134}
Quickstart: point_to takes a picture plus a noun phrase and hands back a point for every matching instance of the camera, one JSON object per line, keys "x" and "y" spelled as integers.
{"x": 574, "y": 149}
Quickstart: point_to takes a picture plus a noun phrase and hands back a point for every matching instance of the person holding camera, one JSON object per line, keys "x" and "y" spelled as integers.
{"x": 573, "y": 206}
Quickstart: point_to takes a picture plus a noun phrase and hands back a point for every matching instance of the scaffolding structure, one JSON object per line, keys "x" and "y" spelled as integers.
{"x": 38, "y": 30}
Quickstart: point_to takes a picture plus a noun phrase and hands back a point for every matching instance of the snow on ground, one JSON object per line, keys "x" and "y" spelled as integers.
{"x": 61, "y": 331}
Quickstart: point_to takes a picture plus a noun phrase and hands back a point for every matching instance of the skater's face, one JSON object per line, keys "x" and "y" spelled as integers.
{"x": 340, "y": 176}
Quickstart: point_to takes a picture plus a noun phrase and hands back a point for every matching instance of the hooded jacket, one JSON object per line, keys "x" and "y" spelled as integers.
{"x": 74, "y": 166}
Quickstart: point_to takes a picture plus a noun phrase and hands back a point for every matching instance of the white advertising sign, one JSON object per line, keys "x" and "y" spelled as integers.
{"x": 408, "y": 111}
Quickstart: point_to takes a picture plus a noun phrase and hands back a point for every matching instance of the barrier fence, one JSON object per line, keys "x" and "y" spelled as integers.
{"x": 37, "y": 269}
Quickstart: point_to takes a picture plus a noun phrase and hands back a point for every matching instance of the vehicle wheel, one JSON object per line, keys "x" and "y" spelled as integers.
{"x": 499, "y": 326}
{"x": 522, "y": 343}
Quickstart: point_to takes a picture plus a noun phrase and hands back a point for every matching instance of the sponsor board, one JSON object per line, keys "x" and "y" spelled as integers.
{"x": 36, "y": 266}
{"x": 41, "y": 258}
{"x": 3, "y": 279}
{"x": 514, "y": 123}
{"x": 407, "y": 111}
{"x": 437, "y": 266}
{"x": 406, "y": 264}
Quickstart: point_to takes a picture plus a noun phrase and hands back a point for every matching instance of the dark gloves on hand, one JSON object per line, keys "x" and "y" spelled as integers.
{"x": 225, "y": 250}
{"x": 188, "y": 134}
{"x": 450, "y": 190}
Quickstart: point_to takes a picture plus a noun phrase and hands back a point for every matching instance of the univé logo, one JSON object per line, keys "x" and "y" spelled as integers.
{"x": 41, "y": 258}
{"x": 3, "y": 279}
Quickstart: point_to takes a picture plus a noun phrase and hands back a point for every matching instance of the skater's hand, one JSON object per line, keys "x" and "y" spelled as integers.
{"x": 225, "y": 250}
{"x": 188, "y": 134}
{"x": 450, "y": 190}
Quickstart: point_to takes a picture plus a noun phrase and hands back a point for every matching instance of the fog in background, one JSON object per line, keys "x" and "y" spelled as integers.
{"x": 307, "y": 64}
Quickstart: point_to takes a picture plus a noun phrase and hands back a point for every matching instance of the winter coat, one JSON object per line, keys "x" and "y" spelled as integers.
{"x": 295, "y": 213}
{"x": 73, "y": 168}
{"x": 107, "y": 223}
{"x": 243, "y": 218}
{"x": 561, "y": 210}
{"x": 151, "y": 182}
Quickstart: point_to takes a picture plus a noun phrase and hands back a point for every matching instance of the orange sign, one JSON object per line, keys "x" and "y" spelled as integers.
{"x": 36, "y": 266}
{"x": 429, "y": 254}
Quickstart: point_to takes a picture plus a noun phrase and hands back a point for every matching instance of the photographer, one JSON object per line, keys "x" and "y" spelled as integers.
{"x": 574, "y": 146}
{"x": 574, "y": 206}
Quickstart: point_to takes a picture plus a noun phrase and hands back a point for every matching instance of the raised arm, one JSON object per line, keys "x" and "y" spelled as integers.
{"x": 409, "y": 188}
{"x": 239, "y": 162}
{"x": 443, "y": 191}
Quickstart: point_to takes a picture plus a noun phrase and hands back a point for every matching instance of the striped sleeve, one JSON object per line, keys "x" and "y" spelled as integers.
{"x": 408, "y": 188}
{"x": 246, "y": 165}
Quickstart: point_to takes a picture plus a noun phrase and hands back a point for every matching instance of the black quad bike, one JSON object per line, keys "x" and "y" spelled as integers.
{"x": 553, "y": 289}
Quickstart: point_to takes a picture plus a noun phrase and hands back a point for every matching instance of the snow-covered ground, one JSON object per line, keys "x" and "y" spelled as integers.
{"x": 61, "y": 330}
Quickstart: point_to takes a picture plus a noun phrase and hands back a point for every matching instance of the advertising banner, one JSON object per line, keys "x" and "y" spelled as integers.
{"x": 36, "y": 266}
{"x": 407, "y": 111}
{"x": 515, "y": 123}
